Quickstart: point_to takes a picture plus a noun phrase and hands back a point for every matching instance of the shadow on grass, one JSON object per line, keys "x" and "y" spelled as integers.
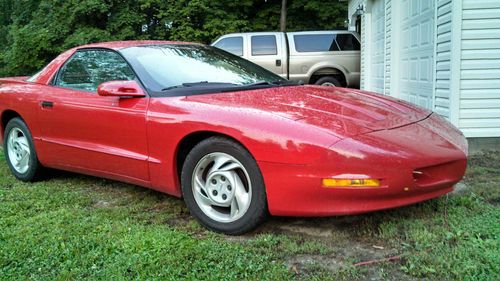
{"x": 357, "y": 226}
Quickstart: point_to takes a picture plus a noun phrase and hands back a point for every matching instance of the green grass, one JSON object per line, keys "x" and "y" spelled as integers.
{"x": 71, "y": 227}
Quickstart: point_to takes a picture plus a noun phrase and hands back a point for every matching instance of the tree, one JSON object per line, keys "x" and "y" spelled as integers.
{"x": 283, "y": 16}
{"x": 33, "y": 32}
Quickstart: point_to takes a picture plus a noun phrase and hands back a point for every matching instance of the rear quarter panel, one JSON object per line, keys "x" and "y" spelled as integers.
{"x": 21, "y": 98}
{"x": 304, "y": 64}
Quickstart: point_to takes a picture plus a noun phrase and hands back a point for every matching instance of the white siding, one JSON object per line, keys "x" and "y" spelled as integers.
{"x": 480, "y": 69}
{"x": 388, "y": 47}
{"x": 443, "y": 58}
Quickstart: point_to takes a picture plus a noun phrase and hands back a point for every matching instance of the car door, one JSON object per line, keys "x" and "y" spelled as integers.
{"x": 85, "y": 132}
{"x": 265, "y": 50}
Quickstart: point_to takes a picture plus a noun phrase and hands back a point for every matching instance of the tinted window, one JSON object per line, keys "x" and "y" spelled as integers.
{"x": 264, "y": 45}
{"x": 347, "y": 42}
{"x": 315, "y": 43}
{"x": 164, "y": 66}
{"x": 234, "y": 45}
{"x": 86, "y": 70}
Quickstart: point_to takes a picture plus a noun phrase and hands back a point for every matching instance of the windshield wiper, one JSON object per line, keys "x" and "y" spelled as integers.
{"x": 258, "y": 83}
{"x": 198, "y": 84}
{"x": 230, "y": 86}
{"x": 274, "y": 83}
{"x": 288, "y": 83}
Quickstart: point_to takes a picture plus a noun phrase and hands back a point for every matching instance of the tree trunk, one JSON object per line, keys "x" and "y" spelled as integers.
{"x": 283, "y": 16}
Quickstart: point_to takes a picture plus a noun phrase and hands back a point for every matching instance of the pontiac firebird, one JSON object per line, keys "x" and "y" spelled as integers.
{"x": 236, "y": 141}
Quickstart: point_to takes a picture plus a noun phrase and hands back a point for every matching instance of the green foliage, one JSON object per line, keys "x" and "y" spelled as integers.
{"x": 33, "y": 32}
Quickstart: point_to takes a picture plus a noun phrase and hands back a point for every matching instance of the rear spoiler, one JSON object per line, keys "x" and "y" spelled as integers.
{"x": 18, "y": 79}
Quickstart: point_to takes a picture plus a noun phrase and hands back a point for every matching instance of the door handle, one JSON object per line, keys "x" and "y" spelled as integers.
{"x": 278, "y": 62}
{"x": 47, "y": 104}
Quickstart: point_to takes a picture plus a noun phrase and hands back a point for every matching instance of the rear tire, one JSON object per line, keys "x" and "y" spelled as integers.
{"x": 20, "y": 151}
{"x": 223, "y": 187}
{"x": 328, "y": 81}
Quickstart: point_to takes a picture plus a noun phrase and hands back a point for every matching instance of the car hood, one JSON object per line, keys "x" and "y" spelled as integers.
{"x": 342, "y": 112}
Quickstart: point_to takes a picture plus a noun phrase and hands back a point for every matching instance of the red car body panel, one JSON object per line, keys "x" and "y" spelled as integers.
{"x": 297, "y": 134}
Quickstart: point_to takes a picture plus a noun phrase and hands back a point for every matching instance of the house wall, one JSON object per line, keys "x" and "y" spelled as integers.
{"x": 479, "y": 103}
{"x": 465, "y": 66}
{"x": 442, "y": 87}
{"x": 388, "y": 46}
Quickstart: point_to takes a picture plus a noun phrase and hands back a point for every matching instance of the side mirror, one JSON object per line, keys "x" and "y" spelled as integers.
{"x": 122, "y": 89}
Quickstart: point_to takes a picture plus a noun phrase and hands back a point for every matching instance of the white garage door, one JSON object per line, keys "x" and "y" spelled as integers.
{"x": 417, "y": 51}
{"x": 377, "y": 47}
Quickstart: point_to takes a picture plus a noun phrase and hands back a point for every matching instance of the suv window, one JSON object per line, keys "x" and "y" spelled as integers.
{"x": 264, "y": 45}
{"x": 234, "y": 45}
{"x": 347, "y": 42}
{"x": 86, "y": 70}
{"x": 315, "y": 43}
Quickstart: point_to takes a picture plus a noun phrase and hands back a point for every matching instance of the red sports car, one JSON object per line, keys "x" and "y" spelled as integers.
{"x": 234, "y": 140}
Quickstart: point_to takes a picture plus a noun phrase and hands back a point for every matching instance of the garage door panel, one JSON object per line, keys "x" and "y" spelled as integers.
{"x": 413, "y": 70}
{"x": 426, "y": 6}
{"x": 378, "y": 46}
{"x": 425, "y": 65}
{"x": 406, "y": 38}
{"x": 417, "y": 51}
{"x": 425, "y": 29}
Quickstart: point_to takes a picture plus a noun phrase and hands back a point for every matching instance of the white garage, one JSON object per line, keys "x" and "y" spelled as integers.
{"x": 443, "y": 55}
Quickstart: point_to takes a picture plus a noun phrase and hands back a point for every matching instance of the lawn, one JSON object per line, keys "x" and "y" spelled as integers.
{"x": 70, "y": 226}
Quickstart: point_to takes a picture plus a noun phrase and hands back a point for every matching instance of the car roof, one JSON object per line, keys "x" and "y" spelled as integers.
{"x": 288, "y": 33}
{"x": 47, "y": 73}
{"x": 291, "y": 32}
{"x": 117, "y": 45}
{"x": 323, "y": 32}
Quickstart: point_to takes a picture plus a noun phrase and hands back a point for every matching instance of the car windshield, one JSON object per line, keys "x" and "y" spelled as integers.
{"x": 180, "y": 69}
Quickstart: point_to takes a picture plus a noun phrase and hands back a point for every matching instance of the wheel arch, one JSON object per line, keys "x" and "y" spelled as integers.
{"x": 6, "y": 116}
{"x": 329, "y": 71}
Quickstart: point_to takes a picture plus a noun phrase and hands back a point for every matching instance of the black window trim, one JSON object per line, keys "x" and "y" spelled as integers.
{"x": 86, "y": 49}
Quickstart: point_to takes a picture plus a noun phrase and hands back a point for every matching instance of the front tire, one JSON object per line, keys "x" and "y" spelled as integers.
{"x": 223, "y": 187}
{"x": 20, "y": 151}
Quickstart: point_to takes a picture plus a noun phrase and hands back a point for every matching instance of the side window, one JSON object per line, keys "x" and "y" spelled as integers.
{"x": 264, "y": 45}
{"x": 86, "y": 70}
{"x": 347, "y": 42}
{"x": 315, "y": 43}
{"x": 234, "y": 45}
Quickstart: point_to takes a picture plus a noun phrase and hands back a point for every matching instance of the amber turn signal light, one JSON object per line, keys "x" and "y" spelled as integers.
{"x": 351, "y": 183}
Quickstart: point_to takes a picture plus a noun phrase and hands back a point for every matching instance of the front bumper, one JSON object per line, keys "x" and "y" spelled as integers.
{"x": 416, "y": 162}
